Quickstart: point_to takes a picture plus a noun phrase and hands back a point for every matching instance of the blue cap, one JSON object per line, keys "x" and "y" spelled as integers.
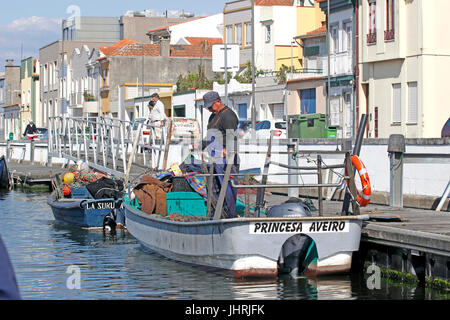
{"x": 209, "y": 98}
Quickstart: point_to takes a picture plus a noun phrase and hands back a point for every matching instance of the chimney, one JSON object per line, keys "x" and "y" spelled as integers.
{"x": 164, "y": 47}
{"x": 9, "y": 63}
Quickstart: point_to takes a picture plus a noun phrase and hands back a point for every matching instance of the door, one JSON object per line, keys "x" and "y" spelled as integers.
{"x": 242, "y": 111}
{"x": 308, "y": 101}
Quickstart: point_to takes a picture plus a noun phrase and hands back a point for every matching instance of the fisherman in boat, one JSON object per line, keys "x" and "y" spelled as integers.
{"x": 221, "y": 143}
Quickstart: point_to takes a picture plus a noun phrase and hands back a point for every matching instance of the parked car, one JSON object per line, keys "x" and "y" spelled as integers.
{"x": 446, "y": 129}
{"x": 244, "y": 126}
{"x": 41, "y": 134}
{"x": 264, "y": 127}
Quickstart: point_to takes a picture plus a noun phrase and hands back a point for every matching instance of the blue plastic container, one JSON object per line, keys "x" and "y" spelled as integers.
{"x": 185, "y": 203}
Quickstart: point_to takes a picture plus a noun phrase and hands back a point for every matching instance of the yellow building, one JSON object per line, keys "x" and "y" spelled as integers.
{"x": 309, "y": 18}
{"x": 404, "y": 62}
{"x": 29, "y": 83}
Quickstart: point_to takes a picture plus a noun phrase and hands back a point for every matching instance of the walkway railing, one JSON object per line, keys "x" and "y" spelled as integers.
{"x": 109, "y": 144}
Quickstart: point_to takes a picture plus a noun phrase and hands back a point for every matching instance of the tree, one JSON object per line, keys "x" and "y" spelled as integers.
{"x": 194, "y": 81}
{"x": 282, "y": 74}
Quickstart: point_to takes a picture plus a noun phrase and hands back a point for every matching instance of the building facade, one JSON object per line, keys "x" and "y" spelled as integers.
{"x": 306, "y": 90}
{"x": 340, "y": 39}
{"x": 403, "y": 63}
{"x": 159, "y": 64}
{"x": 29, "y": 82}
{"x": 10, "y": 108}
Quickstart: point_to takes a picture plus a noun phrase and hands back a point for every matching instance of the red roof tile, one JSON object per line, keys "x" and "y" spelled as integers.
{"x": 196, "y": 41}
{"x": 200, "y": 47}
{"x": 322, "y": 29}
{"x": 191, "y": 51}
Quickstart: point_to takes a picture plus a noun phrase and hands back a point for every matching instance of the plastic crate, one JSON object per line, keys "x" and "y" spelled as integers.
{"x": 185, "y": 203}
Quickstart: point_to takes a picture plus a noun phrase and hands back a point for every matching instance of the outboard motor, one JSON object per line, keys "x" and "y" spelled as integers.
{"x": 292, "y": 208}
{"x": 296, "y": 253}
{"x": 109, "y": 222}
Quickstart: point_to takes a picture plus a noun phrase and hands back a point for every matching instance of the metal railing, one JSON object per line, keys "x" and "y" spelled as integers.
{"x": 108, "y": 144}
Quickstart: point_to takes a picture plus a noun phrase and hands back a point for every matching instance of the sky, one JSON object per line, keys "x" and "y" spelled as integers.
{"x": 26, "y": 26}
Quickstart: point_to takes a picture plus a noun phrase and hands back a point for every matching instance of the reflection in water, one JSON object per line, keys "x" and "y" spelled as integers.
{"x": 117, "y": 267}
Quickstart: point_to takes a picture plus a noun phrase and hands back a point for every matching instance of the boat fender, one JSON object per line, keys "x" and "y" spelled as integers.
{"x": 109, "y": 222}
{"x": 66, "y": 191}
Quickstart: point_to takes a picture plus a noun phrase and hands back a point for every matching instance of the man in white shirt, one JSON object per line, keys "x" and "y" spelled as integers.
{"x": 157, "y": 115}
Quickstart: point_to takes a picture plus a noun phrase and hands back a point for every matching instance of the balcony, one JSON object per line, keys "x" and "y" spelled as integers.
{"x": 104, "y": 89}
{"x": 389, "y": 35}
{"x": 371, "y": 38}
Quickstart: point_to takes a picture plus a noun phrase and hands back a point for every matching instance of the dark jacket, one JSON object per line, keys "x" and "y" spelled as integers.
{"x": 31, "y": 128}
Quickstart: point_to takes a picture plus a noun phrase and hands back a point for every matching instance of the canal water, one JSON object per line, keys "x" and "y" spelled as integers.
{"x": 54, "y": 262}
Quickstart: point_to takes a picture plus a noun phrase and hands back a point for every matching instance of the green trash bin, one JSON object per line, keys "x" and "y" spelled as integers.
{"x": 11, "y": 136}
{"x": 331, "y": 132}
{"x": 293, "y": 126}
{"x": 312, "y": 125}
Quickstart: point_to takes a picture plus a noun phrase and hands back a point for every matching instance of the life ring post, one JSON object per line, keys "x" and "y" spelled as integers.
{"x": 351, "y": 183}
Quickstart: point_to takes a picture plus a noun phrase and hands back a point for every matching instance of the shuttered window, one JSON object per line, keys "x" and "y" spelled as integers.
{"x": 412, "y": 102}
{"x": 396, "y": 103}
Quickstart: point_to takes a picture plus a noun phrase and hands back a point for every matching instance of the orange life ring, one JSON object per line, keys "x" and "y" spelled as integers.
{"x": 363, "y": 197}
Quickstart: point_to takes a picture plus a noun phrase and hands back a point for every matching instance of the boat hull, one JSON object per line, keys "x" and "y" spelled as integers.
{"x": 85, "y": 213}
{"x": 4, "y": 174}
{"x": 246, "y": 247}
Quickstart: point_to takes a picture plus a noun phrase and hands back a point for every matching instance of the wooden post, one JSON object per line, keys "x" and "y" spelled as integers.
{"x": 352, "y": 185}
{"x": 260, "y": 192}
{"x": 223, "y": 190}
{"x": 247, "y": 197}
{"x": 319, "y": 181}
{"x": 166, "y": 149}
{"x": 133, "y": 151}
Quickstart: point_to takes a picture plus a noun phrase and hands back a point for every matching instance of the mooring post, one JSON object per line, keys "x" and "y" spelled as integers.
{"x": 8, "y": 152}
{"x": 396, "y": 149}
{"x": 292, "y": 179}
{"x": 32, "y": 152}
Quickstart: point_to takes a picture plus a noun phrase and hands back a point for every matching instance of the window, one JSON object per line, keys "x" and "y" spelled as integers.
{"x": 242, "y": 111}
{"x": 390, "y": 13}
{"x": 396, "y": 103}
{"x": 268, "y": 32}
{"x": 347, "y": 39}
{"x": 248, "y": 34}
{"x": 372, "y": 35}
{"x": 229, "y": 34}
{"x": 334, "y": 39}
{"x": 239, "y": 34}
{"x": 308, "y": 101}
{"x": 263, "y": 125}
{"x": 412, "y": 102}
{"x": 45, "y": 75}
{"x": 179, "y": 111}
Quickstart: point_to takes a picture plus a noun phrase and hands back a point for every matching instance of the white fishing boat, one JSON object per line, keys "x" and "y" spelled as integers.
{"x": 287, "y": 239}
{"x": 253, "y": 247}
